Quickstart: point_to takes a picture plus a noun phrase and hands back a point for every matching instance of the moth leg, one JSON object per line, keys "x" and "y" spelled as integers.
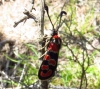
{"x": 44, "y": 46}
{"x": 42, "y": 55}
{"x": 46, "y": 41}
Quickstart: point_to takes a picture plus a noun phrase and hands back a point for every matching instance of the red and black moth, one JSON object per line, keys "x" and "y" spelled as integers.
{"x": 49, "y": 64}
{"x": 50, "y": 59}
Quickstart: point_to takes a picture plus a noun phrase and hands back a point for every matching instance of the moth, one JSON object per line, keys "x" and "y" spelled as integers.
{"x": 49, "y": 64}
{"x": 50, "y": 60}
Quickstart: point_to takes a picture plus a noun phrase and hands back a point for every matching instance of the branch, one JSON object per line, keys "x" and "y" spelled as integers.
{"x": 16, "y": 23}
{"x": 28, "y": 16}
{"x": 44, "y": 84}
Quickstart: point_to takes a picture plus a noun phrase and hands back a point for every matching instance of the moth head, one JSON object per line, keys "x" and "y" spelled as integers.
{"x": 57, "y": 40}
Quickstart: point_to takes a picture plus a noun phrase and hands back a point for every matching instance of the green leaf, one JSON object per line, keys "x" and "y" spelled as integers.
{"x": 16, "y": 61}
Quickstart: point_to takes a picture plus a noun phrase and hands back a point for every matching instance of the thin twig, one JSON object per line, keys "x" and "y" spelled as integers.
{"x": 29, "y": 15}
{"x": 21, "y": 20}
{"x": 44, "y": 84}
{"x": 22, "y": 74}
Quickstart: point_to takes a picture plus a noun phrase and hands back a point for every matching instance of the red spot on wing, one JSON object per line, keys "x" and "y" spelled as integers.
{"x": 44, "y": 67}
{"x": 46, "y": 57}
{"x": 52, "y": 62}
{"x": 56, "y": 36}
{"x": 53, "y": 47}
{"x": 46, "y": 74}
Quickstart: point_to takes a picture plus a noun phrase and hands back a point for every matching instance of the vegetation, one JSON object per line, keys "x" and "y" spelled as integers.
{"x": 77, "y": 65}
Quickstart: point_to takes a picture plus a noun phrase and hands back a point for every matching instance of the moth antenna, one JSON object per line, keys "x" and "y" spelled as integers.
{"x": 61, "y": 14}
{"x": 47, "y": 10}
